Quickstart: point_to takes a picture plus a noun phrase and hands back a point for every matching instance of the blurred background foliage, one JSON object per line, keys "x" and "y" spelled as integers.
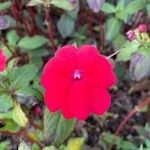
{"x": 30, "y": 33}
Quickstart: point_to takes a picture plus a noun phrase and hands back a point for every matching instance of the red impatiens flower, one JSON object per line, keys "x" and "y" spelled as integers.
{"x": 2, "y": 61}
{"x": 76, "y": 82}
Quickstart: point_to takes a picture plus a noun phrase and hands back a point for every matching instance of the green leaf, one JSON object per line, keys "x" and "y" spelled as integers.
{"x": 6, "y": 103}
{"x": 4, "y": 145}
{"x": 134, "y": 6}
{"x": 19, "y": 116}
{"x": 118, "y": 41}
{"x": 50, "y": 148}
{"x": 64, "y": 129}
{"x": 148, "y": 9}
{"x": 34, "y": 2}
{"x": 5, "y": 5}
{"x": 128, "y": 49}
{"x": 32, "y": 42}
{"x": 66, "y": 25}
{"x": 108, "y": 8}
{"x": 123, "y": 15}
{"x": 24, "y": 146}
{"x": 56, "y": 128}
{"x": 10, "y": 126}
{"x": 12, "y": 37}
{"x": 75, "y": 144}
{"x": 63, "y": 4}
{"x": 120, "y": 6}
{"x": 11, "y": 21}
{"x": 113, "y": 26}
{"x": 22, "y": 75}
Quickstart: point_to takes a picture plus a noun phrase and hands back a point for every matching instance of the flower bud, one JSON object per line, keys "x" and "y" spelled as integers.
{"x": 130, "y": 35}
{"x": 142, "y": 28}
{"x": 95, "y": 5}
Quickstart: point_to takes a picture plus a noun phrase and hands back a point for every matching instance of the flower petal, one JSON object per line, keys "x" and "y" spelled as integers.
{"x": 68, "y": 52}
{"x": 2, "y": 61}
{"x": 78, "y": 100}
{"x": 65, "y": 110}
{"x": 56, "y": 95}
{"x": 99, "y": 101}
{"x": 96, "y": 67}
{"x": 56, "y": 72}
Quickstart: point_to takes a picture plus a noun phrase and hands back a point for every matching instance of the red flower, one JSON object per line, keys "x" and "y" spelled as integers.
{"x": 76, "y": 82}
{"x": 142, "y": 28}
{"x": 2, "y": 61}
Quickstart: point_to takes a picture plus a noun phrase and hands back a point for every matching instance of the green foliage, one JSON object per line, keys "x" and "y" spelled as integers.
{"x": 24, "y": 146}
{"x": 23, "y": 75}
{"x": 112, "y": 28}
{"x": 10, "y": 126}
{"x": 120, "y": 143}
{"x": 49, "y": 148}
{"x": 35, "y": 2}
{"x": 4, "y": 145}
{"x": 32, "y": 42}
{"x": 19, "y": 116}
{"x": 108, "y": 8}
{"x": 12, "y": 38}
{"x": 128, "y": 49}
{"x": 66, "y": 25}
{"x": 57, "y": 128}
{"x": 64, "y": 4}
{"x": 27, "y": 43}
{"x": 4, "y": 5}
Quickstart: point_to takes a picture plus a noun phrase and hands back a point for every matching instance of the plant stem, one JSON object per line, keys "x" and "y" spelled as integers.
{"x": 48, "y": 23}
{"x": 114, "y": 54}
{"x": 137, "y": 108}
{"x": 6, "y": 45}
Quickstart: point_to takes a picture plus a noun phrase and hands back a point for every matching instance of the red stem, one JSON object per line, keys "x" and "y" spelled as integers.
{"x": 48, "y": 23}
{"x": 142, "y": 104}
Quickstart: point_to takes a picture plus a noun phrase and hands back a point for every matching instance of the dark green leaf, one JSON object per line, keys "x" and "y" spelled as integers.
{"x": 66, "y": 25}
{"x": 57, "y": 128}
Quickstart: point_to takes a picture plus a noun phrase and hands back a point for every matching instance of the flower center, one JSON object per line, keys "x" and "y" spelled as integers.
{"x": 77, "y": 75}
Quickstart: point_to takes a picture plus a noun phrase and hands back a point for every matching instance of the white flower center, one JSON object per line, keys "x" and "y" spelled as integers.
{"x": 77, "y": 75}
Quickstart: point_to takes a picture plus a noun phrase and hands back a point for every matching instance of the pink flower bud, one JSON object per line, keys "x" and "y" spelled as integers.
{"x": 142, "y": 28}
{"x": 131, "y": 35}
{"x": 37, "y": 110}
